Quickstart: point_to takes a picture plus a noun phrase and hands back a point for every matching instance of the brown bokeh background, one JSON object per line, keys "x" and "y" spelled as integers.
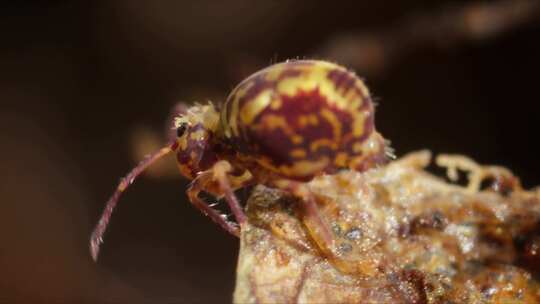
{"x": 80, "y": 80}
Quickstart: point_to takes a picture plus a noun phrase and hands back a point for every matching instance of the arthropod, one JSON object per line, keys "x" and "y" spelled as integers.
{"x": 280, "y": 127}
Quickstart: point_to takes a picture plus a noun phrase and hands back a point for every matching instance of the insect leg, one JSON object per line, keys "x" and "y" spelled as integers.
{"x": 318, "y": 228}
{"x": 221, "y": 170}
{"x": 199, "y": 184}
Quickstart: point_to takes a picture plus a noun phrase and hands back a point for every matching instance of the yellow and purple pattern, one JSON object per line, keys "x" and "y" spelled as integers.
{"x": 279, "y": 127}
{"x": 301, "y": 118}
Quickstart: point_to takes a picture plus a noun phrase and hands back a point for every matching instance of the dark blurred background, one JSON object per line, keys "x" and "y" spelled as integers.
{"x": 86, "y": 89}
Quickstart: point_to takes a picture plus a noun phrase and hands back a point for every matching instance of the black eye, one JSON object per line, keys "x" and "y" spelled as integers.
{"x": 181, "y": 130}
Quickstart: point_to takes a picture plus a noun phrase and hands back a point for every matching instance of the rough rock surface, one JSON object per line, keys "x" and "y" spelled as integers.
{"x": 403, "y": 235}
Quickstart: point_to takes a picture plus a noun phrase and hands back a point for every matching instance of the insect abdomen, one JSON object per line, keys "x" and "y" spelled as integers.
{"x": 301, "y": 118}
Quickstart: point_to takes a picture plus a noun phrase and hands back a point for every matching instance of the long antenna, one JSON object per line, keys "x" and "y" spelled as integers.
{"x": 96, "y": 239}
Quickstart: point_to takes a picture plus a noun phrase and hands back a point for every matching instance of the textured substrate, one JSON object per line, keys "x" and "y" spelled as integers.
{"x": 402, "y": 235}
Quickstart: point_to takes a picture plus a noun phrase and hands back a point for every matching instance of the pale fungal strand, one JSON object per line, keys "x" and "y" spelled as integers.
{"x": 416, "y": 160}
{"x": 476, "y": 173}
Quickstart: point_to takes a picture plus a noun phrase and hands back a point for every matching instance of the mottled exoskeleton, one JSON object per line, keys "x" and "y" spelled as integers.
{"x": 280, "y": 127}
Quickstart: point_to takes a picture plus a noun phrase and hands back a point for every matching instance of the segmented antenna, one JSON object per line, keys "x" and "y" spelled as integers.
{"x": 96, "y": 239}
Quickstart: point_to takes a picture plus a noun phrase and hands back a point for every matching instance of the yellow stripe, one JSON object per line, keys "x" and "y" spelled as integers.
{"x": 334, "y": 122}
{"x": 252, "y": 108}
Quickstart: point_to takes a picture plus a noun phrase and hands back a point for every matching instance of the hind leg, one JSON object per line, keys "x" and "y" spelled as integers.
{"x": 318, "y": 219}
{"x": 318, "y": 228}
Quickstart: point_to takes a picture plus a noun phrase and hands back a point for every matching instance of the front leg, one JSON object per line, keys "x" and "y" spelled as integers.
{"x": 220, "y": 183}
{"x": 221, "y": 172}
{"x": 200, "y": 184}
